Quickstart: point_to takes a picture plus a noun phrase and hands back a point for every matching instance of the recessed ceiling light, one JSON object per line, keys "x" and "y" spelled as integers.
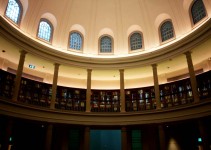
{"x": 31, "y": 66}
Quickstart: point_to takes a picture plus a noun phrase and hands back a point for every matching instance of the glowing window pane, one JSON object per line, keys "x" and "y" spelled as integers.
{"x": 198, "y": 11}
{"x": 105, "y": 44}
{"x": 135, "y": 41}
{"x": 44, "y": 31}
{"x": 13, "y": 11}
{"x": 75, "y": 41}
{"x": 167, "y": 31}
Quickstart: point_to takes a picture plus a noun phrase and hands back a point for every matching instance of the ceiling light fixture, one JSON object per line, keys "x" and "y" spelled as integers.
{"x": 31, "y": 66}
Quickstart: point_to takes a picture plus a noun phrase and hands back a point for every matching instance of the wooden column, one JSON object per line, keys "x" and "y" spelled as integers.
{"x": 122, "y": 90}
{"x": 162, "y": 137}
{"x": 88, "y": 90}
{"x": 86, "y": 138}
{"x": 54, "y": 85}
{"x": 156, "y": 85}
{"x": 18, "y": 75}
{"x": 124, "y": 138}
{"x": 192, "y": 77}
{"x": 48, "y": 138}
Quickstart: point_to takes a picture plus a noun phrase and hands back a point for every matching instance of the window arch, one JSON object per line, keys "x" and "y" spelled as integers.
{"x": 136, "y": 41}
{"x": 166, "y": 31}
{"x": 75, "y": 41}
{"x": 45, "y": 30}
{"x": 14, "y": 11}
{"x": 105, "y": 44}
{"x": 198, "y": 11}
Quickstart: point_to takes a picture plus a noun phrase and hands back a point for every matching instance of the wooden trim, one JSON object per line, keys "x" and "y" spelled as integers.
{"x": 183, "y": 112}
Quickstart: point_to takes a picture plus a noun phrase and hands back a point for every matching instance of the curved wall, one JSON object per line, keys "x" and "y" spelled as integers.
{"x": 117, "y": 16}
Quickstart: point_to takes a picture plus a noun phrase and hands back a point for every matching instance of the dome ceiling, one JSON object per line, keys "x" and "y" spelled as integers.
{"x": 116, "y": 18}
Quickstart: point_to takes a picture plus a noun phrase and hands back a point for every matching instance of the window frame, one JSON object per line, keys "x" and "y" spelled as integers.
{"x": 82, "y": 44}
{"x": 129, "y": 44}
{"x": 52, "y": 31}
{"x": 160, "y": 35}
{"x": 112, "y": 45}
{"x": 20, "y": 13}
{"x": 191, "y": 17}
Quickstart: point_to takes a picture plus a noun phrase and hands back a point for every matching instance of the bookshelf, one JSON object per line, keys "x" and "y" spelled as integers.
{"x": 6, "y": 84}
{"x": 71, "y": 98}
{"x": 74, "y": 99}
{"x": 105, "y": 101}
{"x": 140, "y": 99}
{"x": 176, "y": 93}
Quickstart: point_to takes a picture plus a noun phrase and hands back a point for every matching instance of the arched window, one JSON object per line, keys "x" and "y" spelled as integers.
{"x": 105, "y": 44}
{"x": 198, "y": 11}
{"x": 75, "y": 41}
{"x": 14, "y": 10}
{"x": 166, "y": 31}
{"x": 45, "y": 30}
{"x": 136, "y": 41}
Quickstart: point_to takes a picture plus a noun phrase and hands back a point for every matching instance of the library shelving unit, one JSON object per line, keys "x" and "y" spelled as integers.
{"x": 137, "y": 99}
{"x": 204, "y": 85}
{"x": 105, "y": 101}
{"x": 140, "y": 99}
{"x": 71, "y": 98}
{"x": 176, "y": 93}
{"x": 6, "y": 84}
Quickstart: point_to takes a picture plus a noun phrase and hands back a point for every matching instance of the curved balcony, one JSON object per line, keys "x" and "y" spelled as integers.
{"x": 177, "y": 103}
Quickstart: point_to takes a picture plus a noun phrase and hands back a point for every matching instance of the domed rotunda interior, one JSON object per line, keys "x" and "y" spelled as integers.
{"x": 78, "y": 69}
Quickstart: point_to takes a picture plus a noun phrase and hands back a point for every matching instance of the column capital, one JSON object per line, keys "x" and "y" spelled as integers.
{"x": 56, "y": 64}
{"x": 121, "y": 70}
{"x": 154, "y": 65}
{"x": 187, "y": 53}
{"x": 89, "y": 70}
{"x": 23, "y": 52}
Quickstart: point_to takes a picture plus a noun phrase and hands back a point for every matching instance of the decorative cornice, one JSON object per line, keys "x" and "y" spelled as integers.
{"x": 31, "y": 46}
{"x": 183, "y": 112}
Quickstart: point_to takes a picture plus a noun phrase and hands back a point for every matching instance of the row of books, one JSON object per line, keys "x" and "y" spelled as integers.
{"x": 137, "y": 99}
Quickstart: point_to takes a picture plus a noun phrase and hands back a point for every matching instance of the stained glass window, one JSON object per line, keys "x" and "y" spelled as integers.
{"x": 198, "y": 11}
{"x": 45, "y": 31}
{"x": 13, "y": 11}
{"x": 167, "y": 31}
{"x": 105, "y": 44}
{"x": 75, "y": 41}
{"x": 135, "y": 41}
